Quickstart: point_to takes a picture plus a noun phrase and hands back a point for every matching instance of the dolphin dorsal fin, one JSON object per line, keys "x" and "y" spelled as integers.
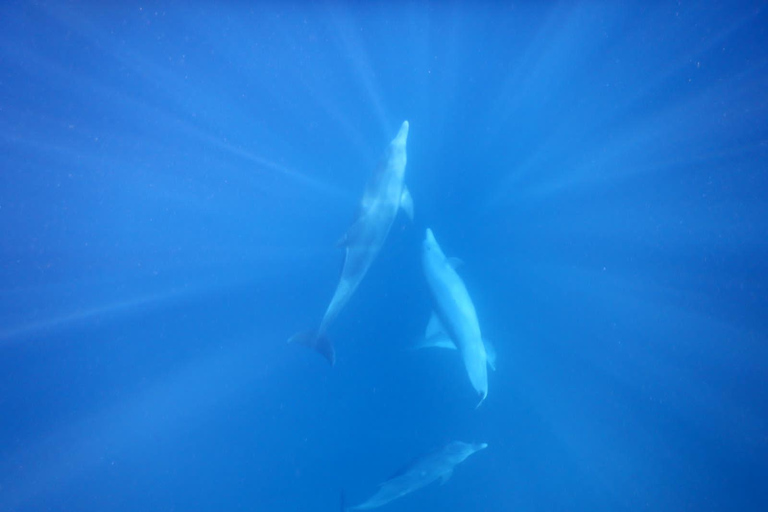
{"x": 439, "y": 340}
{"x": 455, "y": 262}
{"x": 490, "y": 353}
{"x": 434, "y": 327}
{"x": 406, "y": 202}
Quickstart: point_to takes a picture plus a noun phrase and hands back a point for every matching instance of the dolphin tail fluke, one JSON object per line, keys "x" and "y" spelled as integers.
{"x": 317, "y": 342}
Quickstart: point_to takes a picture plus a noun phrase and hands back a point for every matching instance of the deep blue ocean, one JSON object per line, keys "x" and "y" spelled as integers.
{"x": 174, "y": 178}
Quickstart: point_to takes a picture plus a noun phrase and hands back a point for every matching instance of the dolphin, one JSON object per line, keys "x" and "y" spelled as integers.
{"x": 456, "y": 313}
{"x": 420, "y": 473}
{"x": 385, "y": 194}
{"x": 436, "y": 337}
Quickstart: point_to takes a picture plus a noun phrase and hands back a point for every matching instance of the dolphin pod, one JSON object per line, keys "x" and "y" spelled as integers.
{"x": 453, "y": 325}
{"x": 385, "y": 194}
{"x": 420, "y": 473}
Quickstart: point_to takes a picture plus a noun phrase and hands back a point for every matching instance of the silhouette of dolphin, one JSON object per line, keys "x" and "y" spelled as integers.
{"x": 419, "y": 473}
{"x": 456, "y": 313}
{"x": 385, "y": 194}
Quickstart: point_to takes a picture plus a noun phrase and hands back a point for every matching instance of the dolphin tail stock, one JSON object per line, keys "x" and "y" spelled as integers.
{"x": 317, "y": 341}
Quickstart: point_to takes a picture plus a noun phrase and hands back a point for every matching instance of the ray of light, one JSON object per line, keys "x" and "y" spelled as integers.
{"x": 355, "y": 52}
{"x": 133, "y": 306}
{"x": 583, "y": 136}
{"x": 119, "y": 431}
{"x": 138, "y": 108}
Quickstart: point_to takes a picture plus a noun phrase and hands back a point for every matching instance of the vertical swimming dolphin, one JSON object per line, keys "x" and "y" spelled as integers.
{"x": 419, "y": 473}
{"x": 455, "y": 312}
{"x": 384, "y": 195}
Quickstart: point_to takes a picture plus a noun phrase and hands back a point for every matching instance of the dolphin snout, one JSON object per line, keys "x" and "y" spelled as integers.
{"x": 402, "y": 135}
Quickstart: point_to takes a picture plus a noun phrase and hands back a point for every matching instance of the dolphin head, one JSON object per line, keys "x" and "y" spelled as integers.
{"x": 432, "y": 256}
{"x": 396, "y": 158}
{"x": 459, "y": 450}
{"x": 402, "y": 135}
{"x": 430, "y": 250}
{"x": 429, "y": 241}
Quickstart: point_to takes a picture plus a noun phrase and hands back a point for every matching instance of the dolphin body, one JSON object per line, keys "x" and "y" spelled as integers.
{"x": 385, "y": 194}
{"x": 420, "y": 473}
{"x": 455, "y": 312}
{"x": 436, "y": 337}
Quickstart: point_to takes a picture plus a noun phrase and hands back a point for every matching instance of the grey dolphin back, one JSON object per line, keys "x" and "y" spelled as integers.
{"x": 384, "y": 196}
{"x": 420, "y": 472}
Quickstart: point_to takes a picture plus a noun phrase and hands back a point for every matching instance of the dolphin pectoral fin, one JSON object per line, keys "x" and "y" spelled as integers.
{"x": 490, "y": 353}
{"x": 455, "y": 262}
{"x": 446, "y": 476}
{"x": 317, "y": 342}
{"x": 406, "y": 202}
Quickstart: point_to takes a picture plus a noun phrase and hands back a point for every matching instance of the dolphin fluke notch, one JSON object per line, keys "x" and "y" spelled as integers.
{"x": 317, "y": 342}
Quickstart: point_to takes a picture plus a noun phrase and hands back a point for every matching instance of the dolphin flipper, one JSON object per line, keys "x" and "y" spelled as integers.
{"x": 490, "y": 353}
{"x": 317, "y": 342}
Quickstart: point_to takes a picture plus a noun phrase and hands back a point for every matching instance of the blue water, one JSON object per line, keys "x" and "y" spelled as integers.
{"x": 174, "y": 177}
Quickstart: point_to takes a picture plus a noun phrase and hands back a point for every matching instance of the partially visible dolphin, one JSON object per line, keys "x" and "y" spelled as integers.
{"x": 436, "y": 337}
{"x": 455, "y": 312}
{"x": 421, "y": 472}
{"x": 385, "y": 194}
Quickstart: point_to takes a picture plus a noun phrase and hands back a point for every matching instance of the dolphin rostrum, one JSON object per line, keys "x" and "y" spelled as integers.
{"x": 385, "y": 194}
{"x": 420, "y": 473}
{"x": 456, "y": 313}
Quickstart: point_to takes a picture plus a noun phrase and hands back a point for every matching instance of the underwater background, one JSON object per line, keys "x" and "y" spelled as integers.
{"x": 173, "y": 180}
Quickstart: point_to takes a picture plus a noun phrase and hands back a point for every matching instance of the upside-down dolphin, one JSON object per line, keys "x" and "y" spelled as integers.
{"x": 456, "y": 313}
{"x": 421, "y": 472}
{"x": 385, "y": 194}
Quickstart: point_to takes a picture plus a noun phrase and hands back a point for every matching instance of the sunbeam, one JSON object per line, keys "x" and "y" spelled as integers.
{"x": 173, "y": 179}
{"x": 142, "y": 422}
